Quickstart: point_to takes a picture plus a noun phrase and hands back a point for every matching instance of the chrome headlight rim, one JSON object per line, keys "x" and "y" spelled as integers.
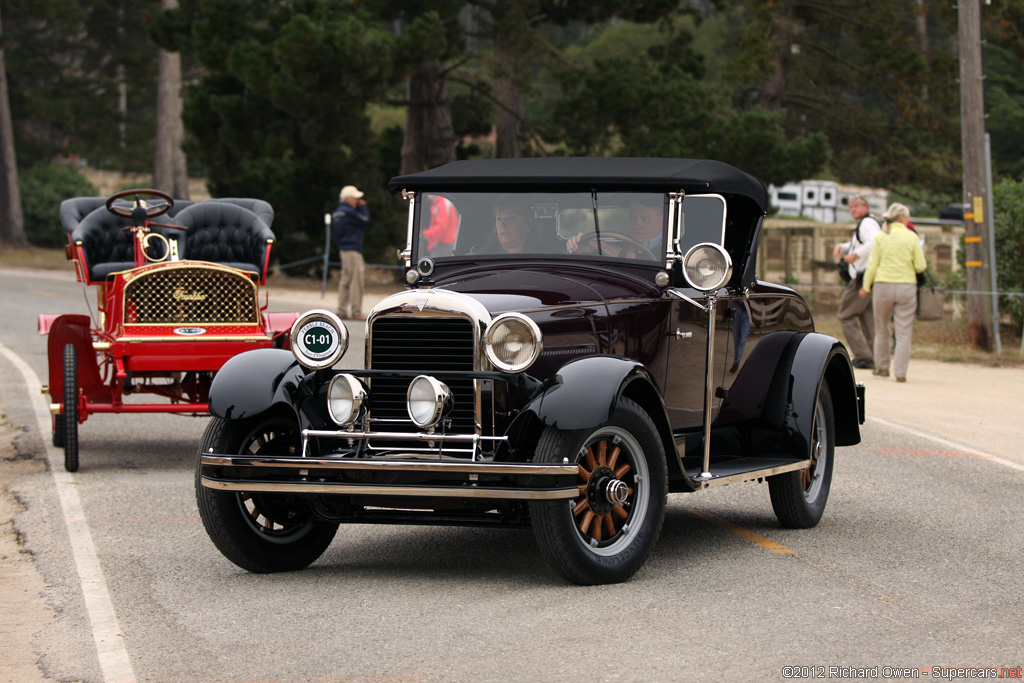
{"x": 535, "y": 339}
{"x": 436, "y": 397}
{"x": 315, "y": 352}
{"x": 710, "y": 254}
{"x": 353, "y": 392}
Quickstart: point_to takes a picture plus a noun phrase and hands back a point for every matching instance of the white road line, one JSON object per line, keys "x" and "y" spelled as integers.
{"x": 106, "y": 632}
{"x": 951, "y": 444}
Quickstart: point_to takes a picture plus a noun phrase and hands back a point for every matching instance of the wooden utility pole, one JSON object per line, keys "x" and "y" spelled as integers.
{"x": 972, "y": 135}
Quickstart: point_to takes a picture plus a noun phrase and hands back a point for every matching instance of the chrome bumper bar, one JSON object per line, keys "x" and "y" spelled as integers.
{"x": 432, "y": 478}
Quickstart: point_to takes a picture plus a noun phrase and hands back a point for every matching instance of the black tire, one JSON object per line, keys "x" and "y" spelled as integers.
{"x": 589, "y": 540}
{"x": 799, "y": 498}
{"x": 70, "y": 426}
{"x": 260, "y": 532}
{"x": 57, "y": 428}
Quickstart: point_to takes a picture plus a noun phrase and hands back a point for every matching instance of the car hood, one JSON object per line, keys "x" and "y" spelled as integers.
{"x": 528, "y": 289}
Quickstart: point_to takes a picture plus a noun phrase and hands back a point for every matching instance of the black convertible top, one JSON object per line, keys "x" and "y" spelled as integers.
{"x": 581, "y": 174}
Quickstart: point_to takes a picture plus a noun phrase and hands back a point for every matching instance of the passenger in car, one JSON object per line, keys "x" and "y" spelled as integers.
{"x": 515, "y": 230}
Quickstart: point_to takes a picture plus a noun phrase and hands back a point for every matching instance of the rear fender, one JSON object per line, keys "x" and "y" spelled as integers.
{"x": 72, "y": 329}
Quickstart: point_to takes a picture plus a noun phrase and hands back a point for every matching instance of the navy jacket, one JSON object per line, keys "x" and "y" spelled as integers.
{"x": 347, "y": 224}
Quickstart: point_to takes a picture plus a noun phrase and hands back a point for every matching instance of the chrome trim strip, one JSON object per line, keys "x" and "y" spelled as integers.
{"x": 755, "y": 474}
{"x": 370, "y": 490}
{"x": 399, "y": 436}
{"x": 401, "y": 466}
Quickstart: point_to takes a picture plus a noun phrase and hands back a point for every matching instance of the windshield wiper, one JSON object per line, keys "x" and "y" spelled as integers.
{"x": 597, "y": 222}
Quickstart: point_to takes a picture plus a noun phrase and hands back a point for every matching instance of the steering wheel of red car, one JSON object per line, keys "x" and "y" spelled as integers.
{"x": 630, "y": 248}
{"x": 151, "y": 211}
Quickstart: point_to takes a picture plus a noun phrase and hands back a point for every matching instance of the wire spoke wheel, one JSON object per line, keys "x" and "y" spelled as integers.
{"x": 260, "y": 532}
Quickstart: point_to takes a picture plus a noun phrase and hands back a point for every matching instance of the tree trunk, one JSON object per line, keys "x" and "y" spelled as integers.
{"x": 12, "y": 228}
{"x": 509, "y": 110}
{"x": 429, "y": 136}
{"x": 776, "y": 89}
{"x": 169, "y": 166}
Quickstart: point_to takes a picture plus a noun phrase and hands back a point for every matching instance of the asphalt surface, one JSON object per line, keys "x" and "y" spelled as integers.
{"x": 916, "y": 563}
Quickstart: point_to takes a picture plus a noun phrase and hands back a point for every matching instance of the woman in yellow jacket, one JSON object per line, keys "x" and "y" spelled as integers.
{"x": 896, "y": 259}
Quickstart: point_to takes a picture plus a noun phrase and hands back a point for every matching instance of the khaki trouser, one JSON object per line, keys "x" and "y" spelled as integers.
{"x": 898, "y": 302}
{"x": 858, "y": 322}
{"x": 350, "y": 285}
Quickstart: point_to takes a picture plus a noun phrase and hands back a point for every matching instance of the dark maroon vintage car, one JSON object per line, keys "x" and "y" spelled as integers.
{"x": 579, "y": 338}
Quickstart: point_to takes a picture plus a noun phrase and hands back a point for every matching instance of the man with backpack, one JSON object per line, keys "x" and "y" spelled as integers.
{"x": 856, "y": 315}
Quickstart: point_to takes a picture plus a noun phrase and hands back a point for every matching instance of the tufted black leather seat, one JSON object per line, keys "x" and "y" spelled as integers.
{"x": 72, "y": 211}
{"x": 259, "y": 207}
{"x": 108, "y": 247}
{"x": 226, "y": 233}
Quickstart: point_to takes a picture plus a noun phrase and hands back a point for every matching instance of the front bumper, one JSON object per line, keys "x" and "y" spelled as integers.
{"x": 396, "y": 475}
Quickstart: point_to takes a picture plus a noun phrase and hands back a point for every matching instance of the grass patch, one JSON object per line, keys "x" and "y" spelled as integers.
{"x": 34, "y": 257}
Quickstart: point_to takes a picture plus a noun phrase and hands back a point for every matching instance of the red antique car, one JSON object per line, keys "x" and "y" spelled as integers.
{"x": 175, "y": 300}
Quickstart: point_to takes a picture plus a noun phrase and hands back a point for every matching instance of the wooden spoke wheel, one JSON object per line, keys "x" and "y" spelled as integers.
{"x": 605, "y": 533}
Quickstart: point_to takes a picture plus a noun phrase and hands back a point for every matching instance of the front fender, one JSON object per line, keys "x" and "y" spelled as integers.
{"x": 584, "y": 392}
{"x": 254, "y": 381}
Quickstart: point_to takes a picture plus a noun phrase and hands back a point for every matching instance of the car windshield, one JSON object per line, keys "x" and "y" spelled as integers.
{"x": 622, "y": 225}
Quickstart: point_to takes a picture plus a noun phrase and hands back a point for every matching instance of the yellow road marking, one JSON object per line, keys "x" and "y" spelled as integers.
{"x": 743, "y": 533}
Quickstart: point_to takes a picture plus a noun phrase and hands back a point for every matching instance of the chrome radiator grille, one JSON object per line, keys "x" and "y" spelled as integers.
{"x": 192, "y": 295}
{"x": 430, "y": 346}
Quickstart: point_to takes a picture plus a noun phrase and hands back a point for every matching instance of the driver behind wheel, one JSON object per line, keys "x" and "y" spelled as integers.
{"x": 645, "y": 226}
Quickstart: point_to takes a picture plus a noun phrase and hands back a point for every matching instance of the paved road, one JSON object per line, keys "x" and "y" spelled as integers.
{"x": 916, "y": 563}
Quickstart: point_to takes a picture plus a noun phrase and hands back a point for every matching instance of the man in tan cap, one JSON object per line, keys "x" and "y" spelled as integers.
{"x": 347, "y": 224}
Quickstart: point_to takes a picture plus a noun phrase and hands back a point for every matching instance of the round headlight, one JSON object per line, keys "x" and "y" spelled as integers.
{"x": 427, "y": 401}
{"x": 345, "y": 399}
{"x": 513, "y": 342}
{"x": 319, "y": 339}
{"x": 707, "y": 267}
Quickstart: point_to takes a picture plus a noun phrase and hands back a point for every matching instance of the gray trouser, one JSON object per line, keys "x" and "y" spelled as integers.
{"x": 350, "y": 285}
{"x": 898, "y": 302}
{"x": 857, "y": 320}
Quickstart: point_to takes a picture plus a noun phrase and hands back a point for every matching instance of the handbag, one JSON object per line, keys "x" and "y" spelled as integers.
{"x": 931, "y": 299}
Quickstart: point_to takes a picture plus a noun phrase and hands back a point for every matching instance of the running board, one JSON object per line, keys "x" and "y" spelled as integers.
{"x": 743, "y": 469}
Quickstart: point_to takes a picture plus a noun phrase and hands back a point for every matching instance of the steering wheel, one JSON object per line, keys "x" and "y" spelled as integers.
{"x": 151, "y": 211}
{"x": 628, "y": 247}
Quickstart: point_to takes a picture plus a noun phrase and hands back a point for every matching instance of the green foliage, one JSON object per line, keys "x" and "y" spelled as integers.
{"x": 43, "y": 187}
{"x": 281, "y": 113}
{"x": 1008, "y": 198}
{"x": 1008, "y": 201}
{"x": 657, "y": 105}
{"x": 63, "y": 61}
